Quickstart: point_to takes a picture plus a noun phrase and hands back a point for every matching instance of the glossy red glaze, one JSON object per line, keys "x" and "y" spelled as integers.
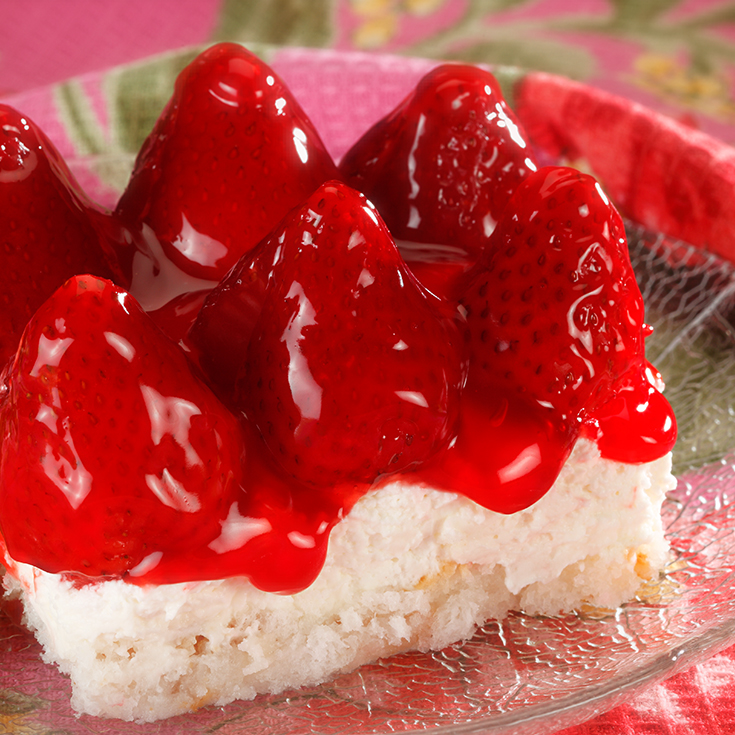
{"x": 507, "y": 455}
{"x": 276, "y": 533}
{"x": 438, "y": 268}
{"x": 637, "y": 423}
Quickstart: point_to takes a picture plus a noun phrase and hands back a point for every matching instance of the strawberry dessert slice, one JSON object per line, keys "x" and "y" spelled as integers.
{"x": 400, "y": 460}
{"x": 51, "y": 230}
{"x": 231, "y": 154}
{"x": 113, "y": 453}
{"x": 441, "y": 167}
{"x": 326, "y": 342}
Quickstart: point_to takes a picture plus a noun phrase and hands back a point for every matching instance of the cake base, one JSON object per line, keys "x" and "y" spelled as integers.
{"x": 408, "y": 568}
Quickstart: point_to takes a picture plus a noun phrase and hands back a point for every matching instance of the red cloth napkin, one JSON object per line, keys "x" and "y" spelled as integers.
{"x": 699, "y": 701}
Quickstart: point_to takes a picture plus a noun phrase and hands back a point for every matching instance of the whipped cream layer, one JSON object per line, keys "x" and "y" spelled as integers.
{"x": 409, "y": 568}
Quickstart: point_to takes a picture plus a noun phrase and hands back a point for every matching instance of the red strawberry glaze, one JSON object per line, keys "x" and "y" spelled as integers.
{"x": 508, "y": 453}
{"x": 637, "y": 420}
{"x": 439, "y": 268}
{"x": 276, "y": 535}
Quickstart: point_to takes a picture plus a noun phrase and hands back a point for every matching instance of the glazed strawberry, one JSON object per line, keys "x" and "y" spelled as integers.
{"x": 48, "y": 226}
{"x": 231, "y": 154}
{"x": 554, "y": 324}
{"x": 553, "y": 310}
{"x": 347, "y": 366}
{"x": 441, "y": 167}
{"x": 113, "y": 453}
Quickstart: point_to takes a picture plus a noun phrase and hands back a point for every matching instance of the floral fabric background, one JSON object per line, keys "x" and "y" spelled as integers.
{"x": 677, "y": 56}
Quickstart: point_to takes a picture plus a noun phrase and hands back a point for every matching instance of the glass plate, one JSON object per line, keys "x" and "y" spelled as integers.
{"x": 523, "y": 675}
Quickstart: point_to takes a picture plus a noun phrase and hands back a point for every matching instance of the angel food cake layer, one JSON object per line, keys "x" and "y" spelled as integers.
{"x": 154, "y": 651}
{"x": 250, "y": 442}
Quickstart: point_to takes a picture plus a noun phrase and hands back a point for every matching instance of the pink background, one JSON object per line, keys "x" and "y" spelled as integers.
{"x": 45, "y": 41}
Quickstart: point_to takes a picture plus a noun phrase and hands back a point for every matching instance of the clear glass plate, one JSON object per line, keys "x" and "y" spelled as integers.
{"x": 523, "y": 675}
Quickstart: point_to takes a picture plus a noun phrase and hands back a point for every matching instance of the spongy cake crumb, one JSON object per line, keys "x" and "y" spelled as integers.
{"x": 409, "y": 568}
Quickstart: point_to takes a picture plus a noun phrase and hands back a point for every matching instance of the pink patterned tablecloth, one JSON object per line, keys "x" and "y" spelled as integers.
{"x": 675, "y": 56}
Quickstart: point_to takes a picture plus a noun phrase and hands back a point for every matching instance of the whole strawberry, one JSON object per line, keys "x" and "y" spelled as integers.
{"x": 348, "y": 368}
{"x": 49, "y": 228}
{"x": 555, "y": 331}
{"x": 230, "y": 155}
{"x": 113, "y": 453}
{"x": 554, "y": 312}
{"x": 441, "y": 167}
